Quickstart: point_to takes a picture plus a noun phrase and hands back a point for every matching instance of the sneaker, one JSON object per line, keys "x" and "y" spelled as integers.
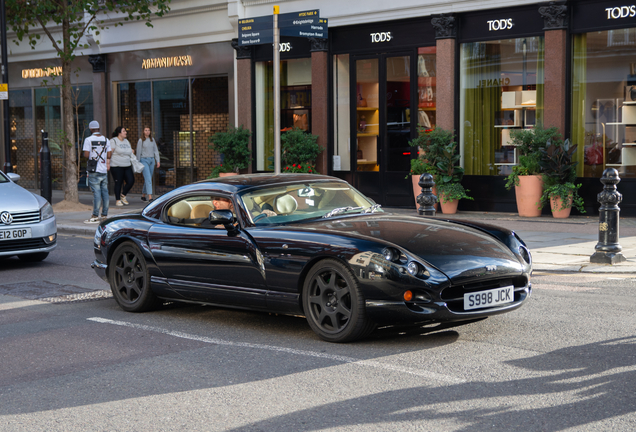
{"x": 124, "y": 200}
{"x": 103, "y": 218}
{"x": 92, "y": 220}
{"x": 119, "y": 203}
{"x": 143, "y": 198}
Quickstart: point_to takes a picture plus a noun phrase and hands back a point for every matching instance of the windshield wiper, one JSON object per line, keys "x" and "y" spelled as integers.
{"x": 374, "y": 208}
{"x": 339, "y": 210}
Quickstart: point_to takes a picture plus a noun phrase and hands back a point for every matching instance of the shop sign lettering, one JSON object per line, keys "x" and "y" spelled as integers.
{"x": 502, "y": 24}
{"x": 381, "y": 37}
{"x": 621, "y": 12}
{"x": 497, "y": 82}
{"x": 41, "y": 73}
{"x": 284, "y": 47}
{"x": 165, "y": 62}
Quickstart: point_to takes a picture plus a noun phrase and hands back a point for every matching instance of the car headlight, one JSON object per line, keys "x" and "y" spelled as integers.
{"x": 46, "y": 212}
{"x": 418, "y": 270}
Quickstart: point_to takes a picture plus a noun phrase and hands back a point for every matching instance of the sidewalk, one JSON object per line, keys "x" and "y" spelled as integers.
{"x": 562, "y": 245}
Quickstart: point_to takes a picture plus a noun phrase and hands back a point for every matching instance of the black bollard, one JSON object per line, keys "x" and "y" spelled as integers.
{"x": 46, "y": 186}
{"x": 426, "y": 199}
{"x": 608, "y": 251}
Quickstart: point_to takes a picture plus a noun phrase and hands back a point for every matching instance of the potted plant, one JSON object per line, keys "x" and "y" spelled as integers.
{"x": 425, "y": 161}
{"x": 526, "y": 176}
{"x": 299, "y": 151}
{"x": 234, "y": 147}
{"x": 438, "y": 157}
{"x": 559, "y": 175}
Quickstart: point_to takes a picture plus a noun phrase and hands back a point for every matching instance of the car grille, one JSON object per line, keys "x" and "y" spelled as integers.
{"x": 15, "y": 245}
{"x": 454, "y": 295}
{"x": 26, "y": 217}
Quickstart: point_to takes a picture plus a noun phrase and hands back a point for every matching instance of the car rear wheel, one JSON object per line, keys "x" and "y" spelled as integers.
{"x": 333, "y": 303}
{"x": 130, "y": 280}
{"x": 34, "y": 257}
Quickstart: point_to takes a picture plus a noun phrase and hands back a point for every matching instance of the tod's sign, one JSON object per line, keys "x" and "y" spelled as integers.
{"x": 501, "y": 24}
{"x": 621, "y": 12}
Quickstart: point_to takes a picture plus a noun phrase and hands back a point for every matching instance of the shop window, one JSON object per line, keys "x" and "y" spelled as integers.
{"x": 82, "y": 100}
{"x": 21, "y": 129}
{"x": 501, "y": 89}
{"x": 295, "y": 104}
{"x": 603, "y": 122}
{"x": 426, "y": 88}
{"x": 342, "y": 113}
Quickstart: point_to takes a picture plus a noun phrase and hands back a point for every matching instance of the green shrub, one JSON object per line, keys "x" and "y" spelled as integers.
{"x": 299, "y": 148}
{"x": 234, "y": 146}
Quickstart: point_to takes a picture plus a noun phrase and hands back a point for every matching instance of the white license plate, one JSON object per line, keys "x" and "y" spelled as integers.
{"x": 15, "y": 234}
{"x": 488, "y": 298}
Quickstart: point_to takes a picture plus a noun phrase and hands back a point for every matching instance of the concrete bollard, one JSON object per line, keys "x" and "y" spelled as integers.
{"x": 608, "y": 251}
{"x": 426, "y": 199}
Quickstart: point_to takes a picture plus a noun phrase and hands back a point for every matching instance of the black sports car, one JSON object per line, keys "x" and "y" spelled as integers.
{"x": 309, "y": 245}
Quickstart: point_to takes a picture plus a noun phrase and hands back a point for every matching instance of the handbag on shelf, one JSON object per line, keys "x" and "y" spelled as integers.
{"x": 137, "y": 166}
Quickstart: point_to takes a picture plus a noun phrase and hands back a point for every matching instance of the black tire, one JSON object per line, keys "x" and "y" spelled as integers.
{"x": 333, "y": 303}
{"x": 34, "y": 257}
{"x": 130, "y": 281}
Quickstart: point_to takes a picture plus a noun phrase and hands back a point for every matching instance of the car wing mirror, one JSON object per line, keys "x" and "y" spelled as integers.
{"x": 14, "y": 177}
{"x": 222, "y": 217}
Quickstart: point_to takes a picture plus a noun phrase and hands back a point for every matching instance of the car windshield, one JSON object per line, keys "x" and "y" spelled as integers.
{"x": 302, "y": 201}
{"x": 3, "y": 178}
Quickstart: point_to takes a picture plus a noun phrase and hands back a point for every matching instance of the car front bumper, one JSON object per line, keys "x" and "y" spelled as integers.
{"x": 36, "y": 244}
{"x": 400, "y": 312}
{"x": 101, "y": 269}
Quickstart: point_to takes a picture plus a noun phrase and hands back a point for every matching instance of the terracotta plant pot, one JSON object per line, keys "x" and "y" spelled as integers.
{"x": 528, "y": 195}
{"x": 449, "y": 207}
{"x": 227, "y": 174}
{"x": 556, "y": 205}
{"x": 417, "y": 190}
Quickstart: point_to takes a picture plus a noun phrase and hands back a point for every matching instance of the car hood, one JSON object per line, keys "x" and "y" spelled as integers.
{"x": 459, "y": 251}
{"x": 14, "y": 198}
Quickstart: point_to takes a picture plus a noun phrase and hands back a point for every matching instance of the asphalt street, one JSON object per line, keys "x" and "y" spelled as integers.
{"x": 564, "y": 361}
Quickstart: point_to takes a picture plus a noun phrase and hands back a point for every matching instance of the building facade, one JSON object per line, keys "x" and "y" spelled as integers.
{"x": 481, "y": 68}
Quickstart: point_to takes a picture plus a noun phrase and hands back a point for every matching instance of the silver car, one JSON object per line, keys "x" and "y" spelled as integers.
{"x": 27, "y": 222}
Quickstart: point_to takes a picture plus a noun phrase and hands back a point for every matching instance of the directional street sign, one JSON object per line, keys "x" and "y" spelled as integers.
{"x": 259, "y": 30}
{"x": 317, "y": 30}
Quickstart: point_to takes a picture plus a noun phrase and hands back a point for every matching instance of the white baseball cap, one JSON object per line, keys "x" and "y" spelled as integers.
{"x": 93, "y": 125}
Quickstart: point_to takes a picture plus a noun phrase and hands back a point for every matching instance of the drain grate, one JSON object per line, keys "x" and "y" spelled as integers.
{"x": 53, "y": 292}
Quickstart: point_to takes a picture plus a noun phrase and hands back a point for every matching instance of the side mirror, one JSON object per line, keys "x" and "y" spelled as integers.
{"x": 14, "y": 177}
{"x": 222, "y": 217}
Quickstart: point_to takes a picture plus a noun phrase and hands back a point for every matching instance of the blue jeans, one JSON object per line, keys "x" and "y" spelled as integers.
{"x": 98, "y": 183}
{"x": 149, "y": 169}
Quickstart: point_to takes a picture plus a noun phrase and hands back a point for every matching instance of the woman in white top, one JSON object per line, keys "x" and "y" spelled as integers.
{"x": 147, "y": 154}
{"x": 121, "y": 165}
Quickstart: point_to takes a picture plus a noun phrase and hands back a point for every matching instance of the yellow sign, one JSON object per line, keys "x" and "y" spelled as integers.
{"x": 4, "y": 91}
{"x": 41, "y": 73}
{"x": 166, "y": 62}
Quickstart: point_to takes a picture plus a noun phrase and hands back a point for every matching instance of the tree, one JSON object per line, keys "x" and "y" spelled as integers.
{"x": 74, "y": 19}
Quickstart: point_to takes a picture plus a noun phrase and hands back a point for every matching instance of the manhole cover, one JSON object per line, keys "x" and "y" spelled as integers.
{"x": 53, "y": 292}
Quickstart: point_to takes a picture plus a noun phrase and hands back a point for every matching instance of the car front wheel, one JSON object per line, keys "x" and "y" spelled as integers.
{"x": 333, "y": 303}
{"x": 130, "y": 280}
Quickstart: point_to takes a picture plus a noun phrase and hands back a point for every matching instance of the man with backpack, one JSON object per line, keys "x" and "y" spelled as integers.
{"x": 97, "y": 150}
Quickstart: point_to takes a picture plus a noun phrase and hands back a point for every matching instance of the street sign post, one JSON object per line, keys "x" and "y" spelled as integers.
{"x": 267, "y": 30}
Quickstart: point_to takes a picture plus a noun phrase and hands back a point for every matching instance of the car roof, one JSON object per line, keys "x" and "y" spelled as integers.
{"x": 236, "y": 184}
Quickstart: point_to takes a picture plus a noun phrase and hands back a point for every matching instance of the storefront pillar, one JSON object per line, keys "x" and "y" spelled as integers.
{"x": 244, "y": 88}
{"x": 100, "y": 90}
{"x": 555, "y": 16}
{"x": 319, "y": 99}
{"x": 445, "y": 33}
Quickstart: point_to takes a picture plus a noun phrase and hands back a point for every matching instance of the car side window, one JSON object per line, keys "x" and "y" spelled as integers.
{"x": 191, "y": 211}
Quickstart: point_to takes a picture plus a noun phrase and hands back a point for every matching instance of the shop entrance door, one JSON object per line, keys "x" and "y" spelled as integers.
{"x": 382, "y": 101}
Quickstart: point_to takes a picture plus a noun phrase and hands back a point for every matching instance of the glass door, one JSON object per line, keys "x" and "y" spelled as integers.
{"x": 383, "y": 101}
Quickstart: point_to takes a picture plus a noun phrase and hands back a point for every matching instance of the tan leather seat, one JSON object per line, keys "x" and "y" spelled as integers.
{"x": 180, "y": 210}
{"x": 285, "y": 204}
{"x": 201, "y": 211}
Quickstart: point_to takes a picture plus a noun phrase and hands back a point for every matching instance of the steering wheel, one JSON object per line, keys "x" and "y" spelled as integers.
{"x": 260, "y": 216}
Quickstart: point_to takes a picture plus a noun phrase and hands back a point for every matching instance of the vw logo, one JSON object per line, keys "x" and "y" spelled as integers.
{"x": 6, "y": 218}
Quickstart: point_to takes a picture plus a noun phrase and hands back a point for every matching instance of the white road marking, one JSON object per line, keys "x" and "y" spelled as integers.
{"x": 343, "y": 359}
